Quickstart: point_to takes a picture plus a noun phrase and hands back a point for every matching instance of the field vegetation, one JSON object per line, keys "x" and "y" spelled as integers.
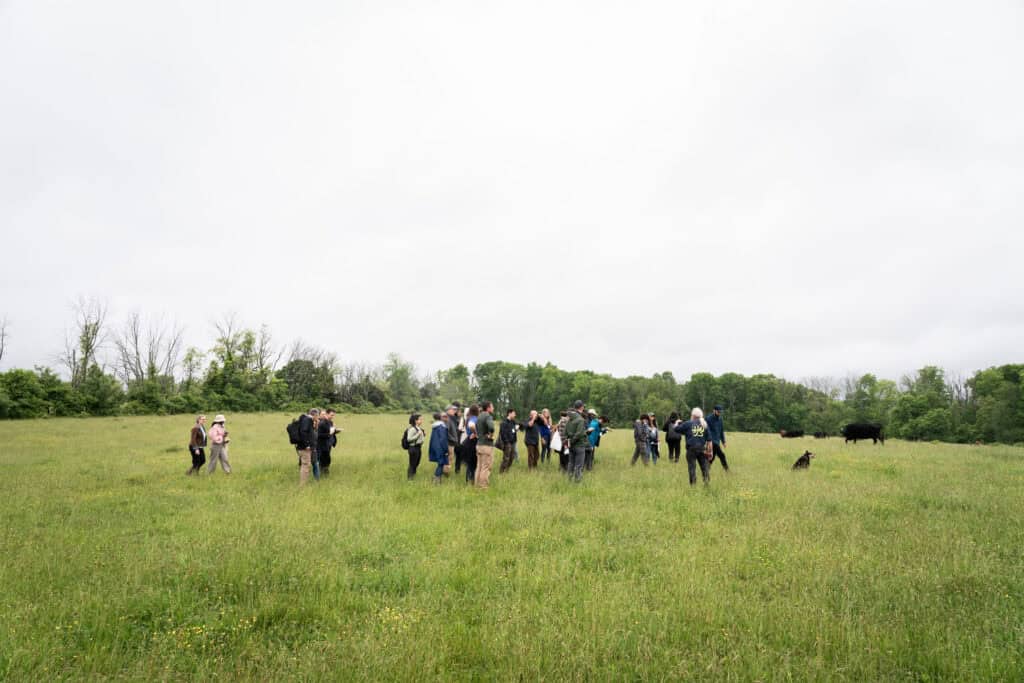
{"x": 895, "y": 562}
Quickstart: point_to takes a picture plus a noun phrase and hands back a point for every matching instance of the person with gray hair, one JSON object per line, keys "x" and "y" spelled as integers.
{"x": 304, "y": 449}
{"x": 698, "y": 444}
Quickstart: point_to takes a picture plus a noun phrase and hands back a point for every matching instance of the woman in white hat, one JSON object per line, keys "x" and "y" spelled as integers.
{"x": 218, "y": 446}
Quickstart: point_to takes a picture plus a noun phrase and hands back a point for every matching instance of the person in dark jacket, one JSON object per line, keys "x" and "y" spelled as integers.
{"x": 451, "y": 423}
{"x": 652, "y": 445}
{"x": 531, "y": 438}
{"x": 438, "y": 451}
{"x": 507, "y": 433}
{"x": 641, "y": 440}
{"x": 576, "y": 434}
{"x": 717, "y": 430}
{"x": 325, "y": 440}
{"x": 672, "y": 438}
{"x": 304, "y": 449}
{"x": 197, "y": 445}
{"x": 414, "y": 436}
{"x": 698, "y": 444}
{"x": 545, "y": 435}
{"x": 468, "y": 447}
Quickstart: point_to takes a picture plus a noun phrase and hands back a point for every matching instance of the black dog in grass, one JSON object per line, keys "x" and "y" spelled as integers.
{"x": 804, "y": 461}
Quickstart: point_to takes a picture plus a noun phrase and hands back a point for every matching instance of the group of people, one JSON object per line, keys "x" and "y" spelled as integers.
{"x": 466, "y": 438}
{"x": 317, "y": 436}
{"x": 216, "y": 438}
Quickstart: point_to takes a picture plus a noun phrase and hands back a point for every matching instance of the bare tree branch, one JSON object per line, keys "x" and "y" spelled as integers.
{"x": 3, "y": 336}
{"x": 81, "y": 350}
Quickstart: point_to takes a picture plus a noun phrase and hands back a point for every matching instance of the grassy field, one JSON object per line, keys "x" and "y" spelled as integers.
{"x": 901, "y": 562}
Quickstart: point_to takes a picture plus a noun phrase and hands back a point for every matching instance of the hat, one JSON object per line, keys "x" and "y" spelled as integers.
{"x": 718, "y": 407}
{"x": 219, "y": 418}
{"x": 451, "y": 406}
{"x": 577, "y": 404}
{"x": 592, "y": 412}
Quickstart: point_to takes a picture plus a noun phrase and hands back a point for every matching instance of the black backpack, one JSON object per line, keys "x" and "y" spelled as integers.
{"x": 405, "y": 439}
{"x": 293, "y": 432}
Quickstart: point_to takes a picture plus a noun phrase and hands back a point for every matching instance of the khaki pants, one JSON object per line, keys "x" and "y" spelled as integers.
{"x": 218, "y": 453}
{"x": 484, "y": 462}
{"x": 305, "y": 460}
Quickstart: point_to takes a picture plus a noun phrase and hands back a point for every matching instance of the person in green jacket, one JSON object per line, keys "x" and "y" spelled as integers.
{"x": 576, "y": 432}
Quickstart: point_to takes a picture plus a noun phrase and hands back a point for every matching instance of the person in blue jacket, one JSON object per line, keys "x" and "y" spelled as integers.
{"x": 438, "y": 446}
{"x": 698, "y": 443}
{"x": 717, "y": 430}
{"x": 593, "y": 439}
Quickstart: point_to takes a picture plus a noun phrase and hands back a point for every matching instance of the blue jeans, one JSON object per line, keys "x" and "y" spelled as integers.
{"x": 440, "y": 466}
{"x": 654, "y": 452}
{"x": 316, "y": 465}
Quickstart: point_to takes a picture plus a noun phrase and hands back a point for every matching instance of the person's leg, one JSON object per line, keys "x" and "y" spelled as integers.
{"x": 451, "y": 454}
{"x": 314, "y": 460}
{"x": 588, "y": 458}
{"x": 439, "y": 470}
{"x": 508, "y": 453}
{"x": 705, "y": 468}
{"x": 211, "y": 466}
{"x": 469, "y": 458}
{"x": 673, "y": 451}
{"x": 304, "y": 465}
{"x": 646, "y": 453}
{"x": 224, "y": 463}
{"x": 721, "y": 456}
{"x": 563, "y": 459}
{"x": 410, "y": 471}
{"x": 691, "y": 464}
{"x": 636, "y": 454}
{"x": 532, "y": 455}
{"x": 579, "y": 456}
{"x": 325, "y": 461}
{"x": 484, "y": 462}
{"x": 545, "y": 449}
{"x": 654, "y": 453}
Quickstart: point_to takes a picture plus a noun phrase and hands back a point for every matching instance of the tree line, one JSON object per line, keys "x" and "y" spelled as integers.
{"x": 140, "y": 368}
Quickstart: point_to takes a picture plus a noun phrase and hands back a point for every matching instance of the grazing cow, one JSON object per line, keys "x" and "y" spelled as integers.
{"x": 821, "y": 435}
{"x": 864, "y": 430}
{"x": 804, "y": 461}
{"x": 794, "y": 434}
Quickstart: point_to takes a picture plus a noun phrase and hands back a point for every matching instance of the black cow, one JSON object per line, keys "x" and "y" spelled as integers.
{"x": 795, "y": 434}
{"x": 821, "y": 435}
{"x": 864, "y": 430}
{"x": 804, "y": 461}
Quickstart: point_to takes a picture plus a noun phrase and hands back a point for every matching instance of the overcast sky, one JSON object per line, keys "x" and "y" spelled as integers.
{"x": 799, "y": 188}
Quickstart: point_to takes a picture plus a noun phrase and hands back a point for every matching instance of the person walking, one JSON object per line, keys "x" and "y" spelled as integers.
{"x": 576, "y": 434}
{"x": 698, "y": 445}
{"x": 197, "y": 445}
{"x": 717, "y": 429}
{"x": 438, "y": 449}
{"x": 641, "y": 440}
{"x": 508, "y": 438}
{"x": 652, "y": 444}
{"x": 307, "y": 441}
{"x": 326, "y": 437}
{"x": 485, "y": 445}
{"x": 218, "y": 446}
{"x": 468, "y": 446}
{"x": 531, "y": 437}
{"x": 414, "y": 436}
{"x": 672, "y": 438}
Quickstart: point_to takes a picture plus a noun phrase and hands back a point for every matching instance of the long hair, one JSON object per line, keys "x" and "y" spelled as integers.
{"x": 698, "y": 414}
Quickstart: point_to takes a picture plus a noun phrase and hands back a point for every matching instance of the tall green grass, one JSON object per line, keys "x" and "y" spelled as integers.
{"x": 901, "y": 562}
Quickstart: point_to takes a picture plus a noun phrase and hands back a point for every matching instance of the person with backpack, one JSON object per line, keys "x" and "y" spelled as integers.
{"x": 305, "y": 439}
{"x": 438, "y": 449}
{"x": 326, "y": 438}
{"x": 412, "y": 441}
{"x": 672, "y": 438}
{"x": 641, "y": 440}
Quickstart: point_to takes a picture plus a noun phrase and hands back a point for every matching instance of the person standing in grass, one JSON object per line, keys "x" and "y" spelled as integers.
{"x": 325, "y": 440}
{"x": 698, "y": 445}
{"x": 508, "y": 440}
{"x": 451, "y": 423}
{"x": 717, "y": 431}
{"x": 485, "y": 445}
{"x": 197, "y": 445}
{"x": 304, "y": 448}
{"x": 438, "y": 449}
{"x": 652, "y": 444}
{"x": 576, "y": 434}
{"x": 641, "y": 439}
{"x": 469, "y": 445}
{"x": 415, "y": 436}
{"x": 314, "y": 456}
{"x": 593, "y": 439}
{"x": 531, "y": 438}
{"x": 219, "y": 446}
{"x": 672, "y": 438}
{"x": 545, "y": 435}
{"x": 563, "y": 442}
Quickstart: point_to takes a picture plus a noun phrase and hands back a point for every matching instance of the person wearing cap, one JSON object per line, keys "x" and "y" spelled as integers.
{"x": 576, "y": 434}
{"x": 197, "y": 445}
{"x": 218, "y": 446}
{"x": 698, "y": 444}
{"x": 717, "y": 430}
